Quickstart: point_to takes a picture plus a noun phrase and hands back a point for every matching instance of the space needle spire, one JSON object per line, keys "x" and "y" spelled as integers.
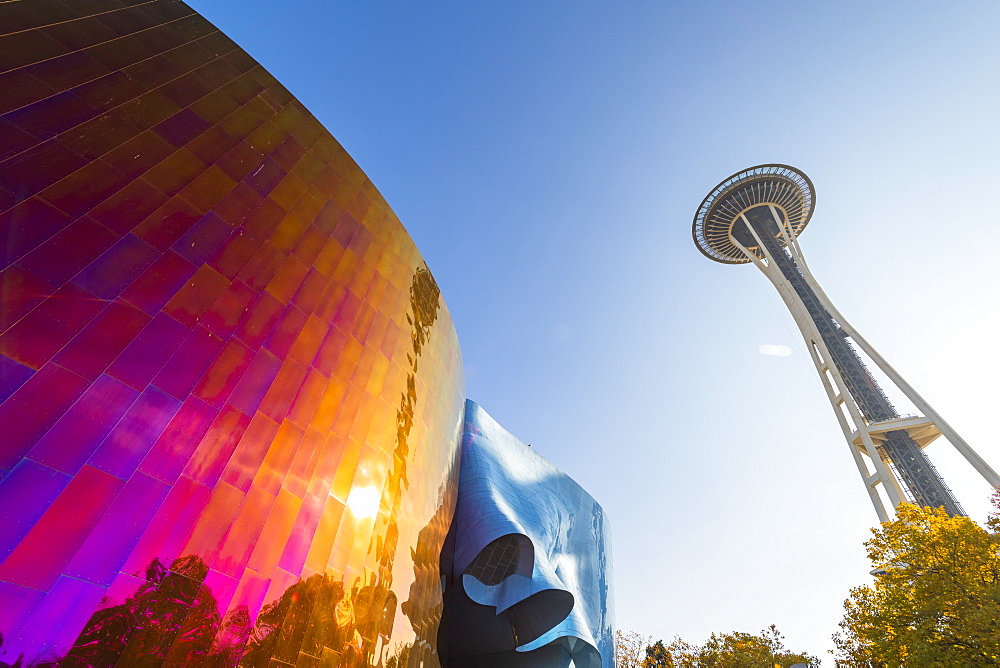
{"x": 756, "y": 215}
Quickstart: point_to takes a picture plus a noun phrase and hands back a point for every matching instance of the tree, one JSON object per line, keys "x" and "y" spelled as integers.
{"x": 936, "y": 595}
{"x": 680, "y": 653}
{"x": 629, "y": 649}
{"x": 738, "y": 649}
{"x": 658, "y": 656}
{"x": 726, "y": 650}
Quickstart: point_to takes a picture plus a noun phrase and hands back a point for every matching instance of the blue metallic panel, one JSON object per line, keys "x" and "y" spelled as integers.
{"x": 506, "y": 488}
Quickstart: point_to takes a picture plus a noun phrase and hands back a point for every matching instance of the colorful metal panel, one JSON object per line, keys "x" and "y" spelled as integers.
{"x": 231, "y": 393}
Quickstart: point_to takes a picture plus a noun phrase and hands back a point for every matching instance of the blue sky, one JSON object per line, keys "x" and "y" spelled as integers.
{"x": 548, "y": 157}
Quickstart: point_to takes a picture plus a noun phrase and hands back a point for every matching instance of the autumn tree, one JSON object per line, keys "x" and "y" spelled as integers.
{"x": 630, "y": 647}
{"x": 738, "y": 649}
{"x": 726, "y": 650}
{"x": 658, "y": 656}
{"x": 936, "y": 595}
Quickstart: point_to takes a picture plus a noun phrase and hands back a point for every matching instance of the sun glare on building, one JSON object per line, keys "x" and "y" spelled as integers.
{"x": 363, "y": 502}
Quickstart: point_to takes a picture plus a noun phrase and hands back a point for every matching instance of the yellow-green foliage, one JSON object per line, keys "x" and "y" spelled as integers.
{"x": 937, "y": 599}
{"x": 721, "y": 650}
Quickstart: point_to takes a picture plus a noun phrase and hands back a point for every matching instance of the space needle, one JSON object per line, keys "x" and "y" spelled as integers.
{"x": 757, "y": 215}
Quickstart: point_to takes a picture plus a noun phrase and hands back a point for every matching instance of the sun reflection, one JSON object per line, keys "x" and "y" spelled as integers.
{"x": 363, "y": 502}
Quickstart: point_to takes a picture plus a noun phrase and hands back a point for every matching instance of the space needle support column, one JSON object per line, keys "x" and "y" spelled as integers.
{"x": 977, "y": 462}
{"x": 756, "y": 216}
{"x": 835, "y": 385}
{"x": 821, "y": 353}
{"x": 897, "y": 448}
{"x": 835, "y": 393}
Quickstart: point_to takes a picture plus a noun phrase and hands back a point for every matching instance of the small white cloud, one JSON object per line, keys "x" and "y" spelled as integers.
{"x": 776, "y": 351}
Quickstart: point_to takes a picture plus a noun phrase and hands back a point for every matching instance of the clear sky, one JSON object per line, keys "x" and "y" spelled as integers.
{"x": 548, "y": 157}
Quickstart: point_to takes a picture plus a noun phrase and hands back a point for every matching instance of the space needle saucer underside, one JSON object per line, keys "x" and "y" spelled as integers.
{"x": 787, "y": 188}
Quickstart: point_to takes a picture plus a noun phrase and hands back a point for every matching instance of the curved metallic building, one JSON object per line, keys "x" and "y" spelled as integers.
{"x": 231, "y": 396}
{"x": 528, "y": 560}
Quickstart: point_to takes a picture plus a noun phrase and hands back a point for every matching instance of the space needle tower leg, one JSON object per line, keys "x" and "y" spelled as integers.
{"x": 756, "y": 216}
{"x": 945, "y": 430}
{"x": 847, "y": 412}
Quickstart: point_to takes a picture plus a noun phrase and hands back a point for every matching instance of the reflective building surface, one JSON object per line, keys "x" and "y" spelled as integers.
{"x": 528, "y": 561}
{"x": 231, "y": 395}
{"x": 224, "y": 366}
